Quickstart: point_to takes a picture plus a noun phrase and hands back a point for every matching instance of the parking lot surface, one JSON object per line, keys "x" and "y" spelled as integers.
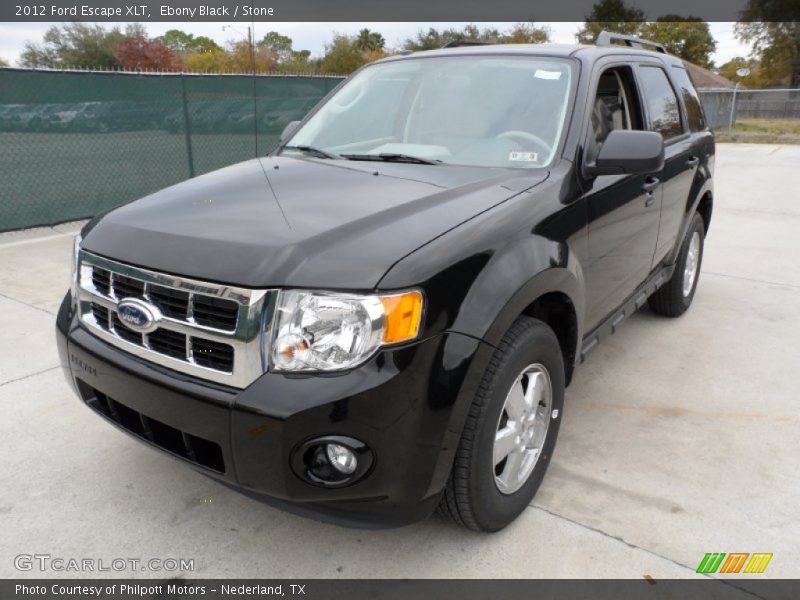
{"x": 680, "y": 437}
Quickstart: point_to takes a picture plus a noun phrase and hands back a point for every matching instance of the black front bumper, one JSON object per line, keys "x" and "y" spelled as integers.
{"x": 407, "y": 405}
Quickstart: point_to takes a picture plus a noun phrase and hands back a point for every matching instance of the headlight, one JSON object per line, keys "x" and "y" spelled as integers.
{"x": 330, "y": 332}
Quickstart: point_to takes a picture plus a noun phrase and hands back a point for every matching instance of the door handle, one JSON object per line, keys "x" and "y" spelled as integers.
{"x": 692, "y": 162}
{"x": 650, "y": 184}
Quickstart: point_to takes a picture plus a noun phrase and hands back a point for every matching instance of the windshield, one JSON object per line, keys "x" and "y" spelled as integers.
{"x": 486, "y": 111}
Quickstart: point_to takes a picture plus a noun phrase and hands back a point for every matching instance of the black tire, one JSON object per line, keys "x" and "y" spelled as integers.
{"x": 471, "y": 497}
{"x": 669, "y": 300}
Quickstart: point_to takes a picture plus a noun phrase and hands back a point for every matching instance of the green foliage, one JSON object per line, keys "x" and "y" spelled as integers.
{"x": 521, "y": 33}
{"x": 772, "y": 28}
{"x": 185, "y": 43}
{"x": 754, "y": 80}
{"x": 74, "y": 46}
{"x": 689, "y": 38}
{"x": 299, "y": 62}
{"x": 369, "y": 41}
{"x": 610, "y": 15}
{"x": 526, "y": 33}
{"x": 342, "y": 55}
{"x": 279, "y": 45}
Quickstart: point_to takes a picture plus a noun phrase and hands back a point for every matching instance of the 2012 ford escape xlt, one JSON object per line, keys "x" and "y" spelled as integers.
{"x": 380, "y": 317}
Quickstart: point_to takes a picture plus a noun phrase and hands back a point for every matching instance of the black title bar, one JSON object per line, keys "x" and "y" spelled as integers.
{"x": 359, "y": 11}
{"x": 393, "y": 589}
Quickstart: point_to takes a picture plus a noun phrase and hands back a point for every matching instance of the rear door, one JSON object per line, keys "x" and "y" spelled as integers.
{"x": 681, "y": 154}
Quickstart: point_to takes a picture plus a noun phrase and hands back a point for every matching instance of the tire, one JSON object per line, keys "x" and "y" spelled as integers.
{"x": 473, "y": 496}
{"x": 673, "y": 299}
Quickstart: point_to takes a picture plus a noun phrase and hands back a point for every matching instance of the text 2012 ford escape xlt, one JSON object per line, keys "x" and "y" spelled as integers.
{"x": 380, "y": 317}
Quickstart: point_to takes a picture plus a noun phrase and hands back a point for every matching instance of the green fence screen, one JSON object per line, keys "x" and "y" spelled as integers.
{"x": 74, "y": 144}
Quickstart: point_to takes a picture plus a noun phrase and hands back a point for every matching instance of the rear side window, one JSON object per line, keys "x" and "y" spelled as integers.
{"x": 694, "y": 111}
{"x": 662, "y": 104}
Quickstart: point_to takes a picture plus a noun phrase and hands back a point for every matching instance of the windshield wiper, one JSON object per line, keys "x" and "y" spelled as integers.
{"x": 311, "y": 150}
{"x": 393, "y": 157}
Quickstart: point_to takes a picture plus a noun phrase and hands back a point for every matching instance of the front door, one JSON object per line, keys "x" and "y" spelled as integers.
{"x": 623, "y": 210}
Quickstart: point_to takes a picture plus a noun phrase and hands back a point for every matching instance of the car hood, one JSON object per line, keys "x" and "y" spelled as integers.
{"x": 281, "y": 221}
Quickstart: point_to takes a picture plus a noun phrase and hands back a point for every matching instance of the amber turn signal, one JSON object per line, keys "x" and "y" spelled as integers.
{"x": 403, "y": 315}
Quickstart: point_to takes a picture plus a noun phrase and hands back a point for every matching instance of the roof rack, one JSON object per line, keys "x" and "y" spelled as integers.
{"x": 607, "y": 38}
{"x": 459, "y": 43}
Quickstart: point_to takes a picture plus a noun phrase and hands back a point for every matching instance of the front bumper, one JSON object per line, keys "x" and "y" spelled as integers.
{"x": 407, "y": 404}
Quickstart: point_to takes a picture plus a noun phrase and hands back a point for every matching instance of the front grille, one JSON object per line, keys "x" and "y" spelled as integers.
{"x": 101, "y": 280}
{"x": 126, "y": 287}
{"x": 172, "y": 303}
{"x": 214, "y": 312}
{"x": 211, "y": 354}
{"x": 101, "y": 315}
{"x": 185, "y": 445}
{"x": 172, "y": 343}
{"x": 126, "y": 334}
{"x": 209, "y": 330}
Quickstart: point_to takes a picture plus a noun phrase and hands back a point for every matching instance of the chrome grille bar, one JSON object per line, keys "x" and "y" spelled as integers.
{"x": 244, "y": 339}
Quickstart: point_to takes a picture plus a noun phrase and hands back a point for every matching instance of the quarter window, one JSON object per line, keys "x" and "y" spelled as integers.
{"x": 662, "y": 103}
{"x": 691, "y": 100}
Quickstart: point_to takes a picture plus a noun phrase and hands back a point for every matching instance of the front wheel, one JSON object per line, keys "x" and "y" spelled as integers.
{"x": 511, "y": 430}
{"x": 674, "y": 297}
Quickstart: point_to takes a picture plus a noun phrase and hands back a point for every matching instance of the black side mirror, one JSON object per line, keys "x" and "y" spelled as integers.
{"x": 629, "y": 152}
{"x": 290, "y": 128}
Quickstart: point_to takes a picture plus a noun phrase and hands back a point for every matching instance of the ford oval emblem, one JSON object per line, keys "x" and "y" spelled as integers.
{"x": 138, "y": 315}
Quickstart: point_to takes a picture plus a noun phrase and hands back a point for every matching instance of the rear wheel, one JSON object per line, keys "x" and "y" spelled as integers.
{"x": 674, "y": 297}
{"x": 510, "y": 432}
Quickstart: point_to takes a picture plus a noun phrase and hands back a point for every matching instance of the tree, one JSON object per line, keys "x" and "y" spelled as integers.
{"x": 526, "y": 33}
{"x": 279, "y": 45}
{"x": 370, "y": 41}
{"x": 754, "y": 80}
{"x": 772, "y": 28}
{"x": 431, "y": 39}
{"x": 300, "y": 62}
{"x": 521, "y": 33}
{"x": 213, "y": 61}
{"x": 610, "y": 15}
{"x": 136, "y": 52}
{"x": 4, "y": 63}
{"x": 688, "y": 38}
{"x": 342, "y": 55}
{"x": 74, "y": 46}
{"x": 244, "y": 59}
{"x": 181, "y": 42}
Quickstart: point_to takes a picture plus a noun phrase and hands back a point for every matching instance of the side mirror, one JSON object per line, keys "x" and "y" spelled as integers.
{"x": 289, "y": 130}
{"x": 629, "y": 152}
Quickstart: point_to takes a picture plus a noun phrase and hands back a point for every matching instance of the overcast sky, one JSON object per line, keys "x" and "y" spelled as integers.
{"x": 313, "y": 36}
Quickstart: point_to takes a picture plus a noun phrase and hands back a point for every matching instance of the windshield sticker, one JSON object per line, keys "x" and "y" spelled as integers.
{"x": 542, "y": 74}
{"x": 518, "y": 156}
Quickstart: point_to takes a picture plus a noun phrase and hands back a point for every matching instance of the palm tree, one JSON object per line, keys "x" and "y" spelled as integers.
{"x": 369, "y": 41}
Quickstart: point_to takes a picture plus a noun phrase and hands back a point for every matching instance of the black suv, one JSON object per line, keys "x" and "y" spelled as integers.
{"x": 380, "y": 317}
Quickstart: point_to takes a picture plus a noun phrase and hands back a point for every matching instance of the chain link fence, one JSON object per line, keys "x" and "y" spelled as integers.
{"x": 74, "y": 144}
{"x": 769, "y": 110}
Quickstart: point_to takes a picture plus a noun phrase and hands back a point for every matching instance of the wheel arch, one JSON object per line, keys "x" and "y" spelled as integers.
{"x": 705, "y": 207}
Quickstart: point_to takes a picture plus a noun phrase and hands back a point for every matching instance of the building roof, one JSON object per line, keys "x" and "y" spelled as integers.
{"x": 703, "y": 78}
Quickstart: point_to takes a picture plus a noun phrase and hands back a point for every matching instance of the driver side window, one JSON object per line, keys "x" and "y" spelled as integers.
{"x": 615, "y": 106}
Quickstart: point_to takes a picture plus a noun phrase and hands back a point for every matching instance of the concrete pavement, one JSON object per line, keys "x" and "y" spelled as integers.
{"x": 680, "y": 437}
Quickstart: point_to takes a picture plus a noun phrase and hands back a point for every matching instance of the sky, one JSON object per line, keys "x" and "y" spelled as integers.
{"x": 313, "y": 36}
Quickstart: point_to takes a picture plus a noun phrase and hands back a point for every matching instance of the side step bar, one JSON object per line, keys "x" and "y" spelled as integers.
{"x": 635, "y": 301}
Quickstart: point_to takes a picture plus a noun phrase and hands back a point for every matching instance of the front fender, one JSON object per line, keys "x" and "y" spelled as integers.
{"x": 479, "y": 281}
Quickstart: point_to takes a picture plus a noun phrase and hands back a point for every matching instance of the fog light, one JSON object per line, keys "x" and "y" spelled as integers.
{"x": 342, "y": 458}
{"x": 332, "y": 460}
